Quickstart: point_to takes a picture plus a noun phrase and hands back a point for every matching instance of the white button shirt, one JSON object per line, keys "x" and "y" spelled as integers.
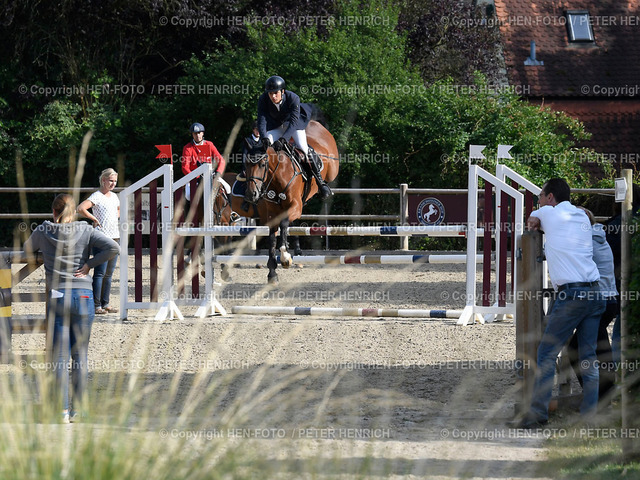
{"x": 568, "y": 245}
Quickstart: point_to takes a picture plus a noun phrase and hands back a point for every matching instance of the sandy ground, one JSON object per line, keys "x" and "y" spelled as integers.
{"x": 406, "y": 398}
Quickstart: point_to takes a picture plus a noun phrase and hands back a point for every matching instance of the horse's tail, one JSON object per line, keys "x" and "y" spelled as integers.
{"x": 318, "y": 115}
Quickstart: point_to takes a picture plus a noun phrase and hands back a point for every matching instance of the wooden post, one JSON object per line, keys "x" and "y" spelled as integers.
{"x": 528, "y": 314}
{"x": 628, "y": 453}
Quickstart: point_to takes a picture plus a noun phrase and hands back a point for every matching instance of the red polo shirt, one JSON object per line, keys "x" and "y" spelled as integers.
{"x": 194, "y": 155}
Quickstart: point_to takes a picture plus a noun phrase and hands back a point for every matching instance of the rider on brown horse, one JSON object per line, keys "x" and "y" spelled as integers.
{"x": 282, "y": 116}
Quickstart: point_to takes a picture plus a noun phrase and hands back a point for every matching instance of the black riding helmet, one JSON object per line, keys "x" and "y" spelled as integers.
{"x": 196, "y": 128}
{"x": 274, "y": 84}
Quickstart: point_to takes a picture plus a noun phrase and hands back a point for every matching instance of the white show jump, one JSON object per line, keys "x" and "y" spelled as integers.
{"x": 169, "y": 300}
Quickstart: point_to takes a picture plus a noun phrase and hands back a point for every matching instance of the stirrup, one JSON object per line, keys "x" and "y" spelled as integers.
{"x": 234, "y": 217}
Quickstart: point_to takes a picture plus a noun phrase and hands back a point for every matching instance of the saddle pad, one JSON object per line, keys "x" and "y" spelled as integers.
{"x": 238, "y": 189}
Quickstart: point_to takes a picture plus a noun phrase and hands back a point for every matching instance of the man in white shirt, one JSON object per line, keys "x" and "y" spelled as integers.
{"x": 579, "y": 304}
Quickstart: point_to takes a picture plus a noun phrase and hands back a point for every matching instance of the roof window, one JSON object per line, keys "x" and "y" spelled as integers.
{"x": 579, "y": 26}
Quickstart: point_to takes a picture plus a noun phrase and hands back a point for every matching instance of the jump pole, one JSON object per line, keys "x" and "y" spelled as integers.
{"x": 391, "y": 231}
{"x": 346, "y": 312}
{"x": 351, "y": 259}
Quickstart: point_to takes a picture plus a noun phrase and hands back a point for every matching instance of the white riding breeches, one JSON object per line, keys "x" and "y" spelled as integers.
{"x": 299, "y": 137}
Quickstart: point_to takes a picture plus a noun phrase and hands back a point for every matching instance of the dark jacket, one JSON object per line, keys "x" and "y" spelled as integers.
{"x": 293, "y": 114}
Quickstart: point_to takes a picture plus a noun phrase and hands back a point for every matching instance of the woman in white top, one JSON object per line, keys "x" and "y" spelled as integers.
{"x": 105, "y": 214}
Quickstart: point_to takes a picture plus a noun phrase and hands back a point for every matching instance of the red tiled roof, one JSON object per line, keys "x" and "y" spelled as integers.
{"x": 572, "y": 69}
{"x": 613, "y": 123}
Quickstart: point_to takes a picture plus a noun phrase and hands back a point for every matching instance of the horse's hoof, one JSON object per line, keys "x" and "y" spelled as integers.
{"x": 297, "y": 252}
{"x": 273, "y": 280}
{"x": 285, "y": 257}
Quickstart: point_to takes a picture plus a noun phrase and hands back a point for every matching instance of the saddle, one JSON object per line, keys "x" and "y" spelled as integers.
{"x": 301, "y": 164}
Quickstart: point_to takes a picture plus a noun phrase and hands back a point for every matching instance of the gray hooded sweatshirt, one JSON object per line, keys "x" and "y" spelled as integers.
{"x": 603, "y": 256}
{"x": 66, "y": 247}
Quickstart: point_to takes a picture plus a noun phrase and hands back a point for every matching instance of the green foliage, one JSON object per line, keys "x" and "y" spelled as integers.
{"x": 389, "y": 126}
{"x": 59, "y": 128}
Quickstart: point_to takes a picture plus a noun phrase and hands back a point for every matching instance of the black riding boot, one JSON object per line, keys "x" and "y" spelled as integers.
{"x": 316, "y": 164}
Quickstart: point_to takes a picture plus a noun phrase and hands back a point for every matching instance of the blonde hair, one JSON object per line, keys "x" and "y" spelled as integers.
{"x": 64, "y": 208}
{"x": 106, "y": 173}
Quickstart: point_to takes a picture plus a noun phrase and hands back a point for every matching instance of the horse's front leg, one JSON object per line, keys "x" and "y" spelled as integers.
{"x": 272, "y": 263}
{"x": 285, "y": 256}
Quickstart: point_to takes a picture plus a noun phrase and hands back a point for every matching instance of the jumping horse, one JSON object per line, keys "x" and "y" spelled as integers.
{"x": 276, "y": 185}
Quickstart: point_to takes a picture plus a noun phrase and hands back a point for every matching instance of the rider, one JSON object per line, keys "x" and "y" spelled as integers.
{"x": 195, "y": 154}
{"x": 192, "y": 158}
{"x": 282, "y": 116}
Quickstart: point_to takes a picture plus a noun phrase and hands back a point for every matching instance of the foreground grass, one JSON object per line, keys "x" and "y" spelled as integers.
{"x": 592, "y": 454}
{"x": 136, "y": 432}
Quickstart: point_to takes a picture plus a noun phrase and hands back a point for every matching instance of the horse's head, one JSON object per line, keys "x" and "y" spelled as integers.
{"x": 221, "y": 208}
{"x": 257, "y": 170}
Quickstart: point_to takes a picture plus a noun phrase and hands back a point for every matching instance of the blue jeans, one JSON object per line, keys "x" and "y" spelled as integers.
{"x": 74, "y": 313}
{"x": 102, "y": 281}
{"x": 576, "y": 309}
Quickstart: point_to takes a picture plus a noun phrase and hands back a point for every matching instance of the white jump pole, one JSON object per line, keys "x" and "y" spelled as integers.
{"x": 346, "y": 312}
{"x": 351, "y": 259}
{"x": 392, "y": 231}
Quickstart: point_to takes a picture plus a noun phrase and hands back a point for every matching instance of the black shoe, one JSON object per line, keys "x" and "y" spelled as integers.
{"x": 325, "y": 191}
{"x": 527, "y": 423}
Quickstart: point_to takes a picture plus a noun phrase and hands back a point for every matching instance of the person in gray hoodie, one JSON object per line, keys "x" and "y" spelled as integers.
{"x": 603, "y": 256}
{"x": 66, "y": 246}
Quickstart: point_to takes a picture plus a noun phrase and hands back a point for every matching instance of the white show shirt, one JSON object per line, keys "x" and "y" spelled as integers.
{"x": 105, "y": 209}
{"x": 568, "y": 245}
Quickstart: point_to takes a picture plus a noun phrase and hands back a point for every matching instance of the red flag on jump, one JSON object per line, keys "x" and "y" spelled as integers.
{"x": 165, "y": 151}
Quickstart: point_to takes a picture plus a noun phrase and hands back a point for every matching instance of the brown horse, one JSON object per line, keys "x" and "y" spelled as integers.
{"x": 223, "y": 214}
{"x": 276, "y": 185}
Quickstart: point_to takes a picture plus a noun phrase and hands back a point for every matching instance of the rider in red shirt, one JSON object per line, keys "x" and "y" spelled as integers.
{"x": 192, "y": 158}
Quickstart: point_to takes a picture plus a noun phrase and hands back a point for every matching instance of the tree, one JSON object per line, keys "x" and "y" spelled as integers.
{"x": 452, "y": 39}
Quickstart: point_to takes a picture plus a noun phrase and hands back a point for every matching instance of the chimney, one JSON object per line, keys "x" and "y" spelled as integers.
{"x": 531, "y": 61}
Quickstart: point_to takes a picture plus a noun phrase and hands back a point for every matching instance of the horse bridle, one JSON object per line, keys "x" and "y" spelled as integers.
{"x": 217, "y": 213}
{"x": 259, "y": 159}
{"x": 263, "y": 187}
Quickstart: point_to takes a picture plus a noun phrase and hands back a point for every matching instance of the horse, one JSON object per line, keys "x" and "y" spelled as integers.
{"x": 276, "y": 186}
{"x": 223, "y": 214}
{"x": 238, "y": 205}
